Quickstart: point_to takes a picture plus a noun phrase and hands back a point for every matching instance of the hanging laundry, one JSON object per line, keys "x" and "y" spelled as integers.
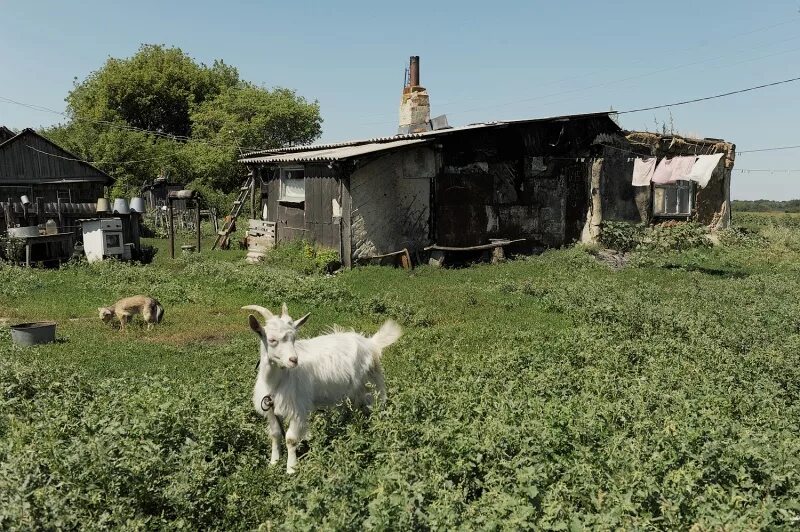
{"x": 643, "y": 171}
{"x": 663, "y": 172}
{"x": 703, "y": 168}
{"x": 682, "y": 167}
{"x": 671, "y": 170}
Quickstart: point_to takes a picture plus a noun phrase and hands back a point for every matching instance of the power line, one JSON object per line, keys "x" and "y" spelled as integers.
{"x": 769, "y": 149}
{"x": 770, "y": 170}
{"x": 706, "y": 98}
{"x": 612, "y": 82}
{"x": 101, "y": 162}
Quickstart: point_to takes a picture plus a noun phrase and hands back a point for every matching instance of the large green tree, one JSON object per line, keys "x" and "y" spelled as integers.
{"x": 160, "y": 110}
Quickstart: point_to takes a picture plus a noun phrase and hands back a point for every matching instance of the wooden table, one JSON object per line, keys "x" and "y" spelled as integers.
{"x": 62, "y": 251}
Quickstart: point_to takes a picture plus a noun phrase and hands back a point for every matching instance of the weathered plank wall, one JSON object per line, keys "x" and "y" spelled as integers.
{"x": 391, "y": 202}
{"x": 80, "y": 192}
{"x": 312, "y": 220}
{"x": 20, "y": 163}
{"x": 521, "y": 181}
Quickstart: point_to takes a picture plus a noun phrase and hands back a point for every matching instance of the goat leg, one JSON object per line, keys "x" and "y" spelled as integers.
{"x": 297, "y": 428}
{"x": 276, "y": 433}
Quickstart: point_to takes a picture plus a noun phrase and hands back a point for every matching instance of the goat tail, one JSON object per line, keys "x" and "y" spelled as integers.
{"x": 386, "y": 335}
{"x": 159, "y": 313}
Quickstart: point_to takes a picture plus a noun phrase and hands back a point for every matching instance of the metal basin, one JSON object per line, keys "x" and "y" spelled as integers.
{"x": 23, "y": 232}
{"x": 38, "y": 332}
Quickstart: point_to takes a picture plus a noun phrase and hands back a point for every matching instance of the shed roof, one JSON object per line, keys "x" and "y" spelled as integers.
{"x": 11, "y": 148}
{"x": 332, "y": 154}
{"x": 302, "y": 152}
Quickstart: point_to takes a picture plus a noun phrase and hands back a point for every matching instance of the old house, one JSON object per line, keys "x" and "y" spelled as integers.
{"x": 49, "y": 176}
{"x": 546, "y": 181}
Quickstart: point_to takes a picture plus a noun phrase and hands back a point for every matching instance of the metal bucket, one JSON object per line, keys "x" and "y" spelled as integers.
{"x": 137, "y": 205}
{"x": 121, "y": 206}
{"x": 38, "y": 332}
{"x": 102, "y": 205}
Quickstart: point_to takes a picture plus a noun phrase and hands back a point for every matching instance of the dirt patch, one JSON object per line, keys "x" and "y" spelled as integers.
{"x": 616, "y": 260}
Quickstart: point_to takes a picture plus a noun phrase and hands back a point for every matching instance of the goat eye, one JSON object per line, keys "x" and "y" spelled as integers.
{"x": 272, "y": 341}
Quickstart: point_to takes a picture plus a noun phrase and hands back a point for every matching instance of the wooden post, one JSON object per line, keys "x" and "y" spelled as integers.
{"x": 135, "y": 236}
{"x": 253, "y": 197}
{"x": 171, "y": 230}
{"x": 7, "y": 214}
{"x": 28, "y": 253}
{"x": 197, "y": 221}
{"x": 60, "y": 216}
{"x": 40, "y": 214}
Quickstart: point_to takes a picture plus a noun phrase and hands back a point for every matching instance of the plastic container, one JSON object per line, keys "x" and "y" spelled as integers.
{"x": 102, "y": 205}
{"x": 38, "y": 332}
{"x": 50, "y": 227}
{"x": 121, "y": 206}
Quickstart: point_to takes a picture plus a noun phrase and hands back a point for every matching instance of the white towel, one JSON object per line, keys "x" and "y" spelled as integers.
{"x": 683, "y": 165}
{"x": 643, "y": 171}
{"x": 703, "y": 168}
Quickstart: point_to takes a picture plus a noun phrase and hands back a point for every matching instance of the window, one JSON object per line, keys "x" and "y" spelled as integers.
{"x": 293, "y": 185}
{"x": 674, "y": 199}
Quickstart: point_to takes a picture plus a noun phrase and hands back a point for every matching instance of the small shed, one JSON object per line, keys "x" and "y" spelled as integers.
{"x": 525, "y": 179}
{"x": 58, "y": 184}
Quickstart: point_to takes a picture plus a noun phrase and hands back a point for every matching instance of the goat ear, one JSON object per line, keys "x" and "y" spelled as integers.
{"x": 254, "y": 325}
{"x": 298, "y": 322}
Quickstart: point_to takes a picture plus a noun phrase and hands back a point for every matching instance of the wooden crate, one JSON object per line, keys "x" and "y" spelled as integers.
{"x": 261, "y": 238}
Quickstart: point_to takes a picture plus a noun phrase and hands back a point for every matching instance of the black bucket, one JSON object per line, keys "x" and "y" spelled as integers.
{"x": 38, "y": 332}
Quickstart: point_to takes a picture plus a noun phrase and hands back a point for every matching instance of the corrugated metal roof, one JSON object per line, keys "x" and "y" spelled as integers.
{"x": 331, "y": 154}
{"x": 247, "y": 157}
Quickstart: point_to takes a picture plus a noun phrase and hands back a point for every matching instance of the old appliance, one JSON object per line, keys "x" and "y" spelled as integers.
{"x": 102, "y": 237}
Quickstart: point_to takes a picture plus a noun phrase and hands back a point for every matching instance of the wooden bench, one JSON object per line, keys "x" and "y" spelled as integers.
{"x": 496, "y": 245}
{"x": 403, "y": 256}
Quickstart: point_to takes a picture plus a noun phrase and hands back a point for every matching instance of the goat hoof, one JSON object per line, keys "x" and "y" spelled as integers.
{"x": 290, "y": 471}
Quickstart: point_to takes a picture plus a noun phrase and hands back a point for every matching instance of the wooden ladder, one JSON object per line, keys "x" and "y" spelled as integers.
{"x": 230, "y": 221}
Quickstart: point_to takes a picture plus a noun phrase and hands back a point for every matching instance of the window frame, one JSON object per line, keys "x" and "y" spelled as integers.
{"x": 283, "y": 182}
{"x": 679, "y": 185}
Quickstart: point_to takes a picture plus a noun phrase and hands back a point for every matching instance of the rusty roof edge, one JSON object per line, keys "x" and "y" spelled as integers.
{"x": 313, "y": 155}
{"x": 424, "y": 134}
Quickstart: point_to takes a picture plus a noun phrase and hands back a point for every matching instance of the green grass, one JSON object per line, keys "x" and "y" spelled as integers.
{"x": 549, "y": 392}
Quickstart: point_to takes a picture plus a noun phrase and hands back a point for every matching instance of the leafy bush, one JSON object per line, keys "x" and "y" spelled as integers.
{"x": 623, "y": 236}
{"x": 302, "y": 256}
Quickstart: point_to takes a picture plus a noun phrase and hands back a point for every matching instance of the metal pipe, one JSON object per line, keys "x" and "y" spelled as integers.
{"x": 414, "y": 71}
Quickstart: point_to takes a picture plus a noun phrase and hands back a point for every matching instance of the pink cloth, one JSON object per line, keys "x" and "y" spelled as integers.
{"x": 671, "y": 170}
{"x": 643, "y": 171}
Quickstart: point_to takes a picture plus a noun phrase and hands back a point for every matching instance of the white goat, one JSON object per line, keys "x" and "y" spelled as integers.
{"x": 297, "y": 376}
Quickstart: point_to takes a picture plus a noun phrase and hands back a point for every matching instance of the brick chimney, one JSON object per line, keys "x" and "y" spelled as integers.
{"x": 415, "y": 107}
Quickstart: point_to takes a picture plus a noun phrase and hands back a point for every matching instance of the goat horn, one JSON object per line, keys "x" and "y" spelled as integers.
{"x": 299, "y": 322}
{"x": 261, "y": 310}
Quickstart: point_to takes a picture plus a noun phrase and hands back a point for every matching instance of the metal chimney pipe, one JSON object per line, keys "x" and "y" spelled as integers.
{"x": 414, "y": 71}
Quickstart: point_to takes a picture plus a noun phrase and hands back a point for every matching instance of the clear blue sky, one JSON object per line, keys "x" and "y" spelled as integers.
{"x": 479, "y": 61}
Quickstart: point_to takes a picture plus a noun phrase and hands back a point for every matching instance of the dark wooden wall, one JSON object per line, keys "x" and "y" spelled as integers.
{"x": 20, "y": 163}
{"x": 79, "y": 192}
{"x": 312, "y": 220}
{"x": 521, "y": 181}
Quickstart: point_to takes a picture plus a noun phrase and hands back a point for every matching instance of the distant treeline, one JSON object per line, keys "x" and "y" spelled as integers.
{"x": 765, "y": 206}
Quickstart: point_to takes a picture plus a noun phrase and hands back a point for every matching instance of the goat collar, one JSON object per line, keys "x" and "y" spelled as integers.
{"x": 267, "y": 403}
